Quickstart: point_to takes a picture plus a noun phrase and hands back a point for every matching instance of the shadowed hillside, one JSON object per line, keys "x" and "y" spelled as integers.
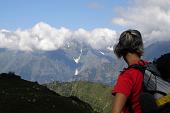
{"x": 21, "y": 96}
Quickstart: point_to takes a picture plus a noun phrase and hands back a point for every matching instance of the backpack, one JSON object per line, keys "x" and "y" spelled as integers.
{"x": 155, "y": 97}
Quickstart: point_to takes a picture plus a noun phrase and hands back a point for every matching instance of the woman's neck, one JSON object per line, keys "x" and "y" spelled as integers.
{"x": 132, "y": 58}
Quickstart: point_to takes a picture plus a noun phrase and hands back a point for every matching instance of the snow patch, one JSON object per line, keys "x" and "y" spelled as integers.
{"x": 102, "y": 53}
{"x": 76, "y": 72}
{"x": 76, "y": 60}
{"x": 110, "y": 48}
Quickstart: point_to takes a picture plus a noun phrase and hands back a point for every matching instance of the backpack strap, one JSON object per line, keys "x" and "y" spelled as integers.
{"x": 156, "y": 91}
{"x": 129, "y": 105}
{"x": 142, "y": 67}
{"x": 138, "y": 67}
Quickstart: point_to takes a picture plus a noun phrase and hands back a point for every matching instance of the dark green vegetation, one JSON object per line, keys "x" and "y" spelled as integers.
{"x": 96, "y": 94}
{"x": 21, "y": 96}
{"x": 163, "y": 65}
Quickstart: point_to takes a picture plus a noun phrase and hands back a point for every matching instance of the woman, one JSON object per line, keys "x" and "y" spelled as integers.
{"x": 129, "y": 83}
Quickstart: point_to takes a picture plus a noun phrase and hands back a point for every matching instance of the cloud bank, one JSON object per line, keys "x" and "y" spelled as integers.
{"x": 151, "y": 17}
{"x": 45, "y": 37}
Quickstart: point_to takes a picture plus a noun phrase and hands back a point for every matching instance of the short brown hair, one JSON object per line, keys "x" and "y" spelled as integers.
{"x": 130, "y": 41}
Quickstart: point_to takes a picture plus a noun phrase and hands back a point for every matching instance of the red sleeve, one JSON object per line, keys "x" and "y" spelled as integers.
{"x": 124, "y": 84}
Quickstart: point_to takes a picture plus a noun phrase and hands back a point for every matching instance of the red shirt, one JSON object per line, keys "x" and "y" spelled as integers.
{"x": 130, "y": 83}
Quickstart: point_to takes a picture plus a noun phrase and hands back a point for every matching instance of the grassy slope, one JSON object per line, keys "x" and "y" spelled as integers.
{"x": 97, "y": 95}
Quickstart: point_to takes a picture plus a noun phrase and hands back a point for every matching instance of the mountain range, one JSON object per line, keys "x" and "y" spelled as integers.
{"x": 72, "y": 62}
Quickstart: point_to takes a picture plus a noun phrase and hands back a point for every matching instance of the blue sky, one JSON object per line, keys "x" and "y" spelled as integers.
{"x": 73, "y": 14}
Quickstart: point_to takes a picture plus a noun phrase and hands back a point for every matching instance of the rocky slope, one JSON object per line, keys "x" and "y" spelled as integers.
{"x": 21, "y": 96}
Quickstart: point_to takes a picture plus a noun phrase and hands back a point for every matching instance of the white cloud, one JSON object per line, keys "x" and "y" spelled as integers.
{"x": 44, "y": 37}
{"x": 151, "y": 17}
{"x": 101, "y": 38}
{"x": 95, "y": 5}
{"x": 120, "y": 21}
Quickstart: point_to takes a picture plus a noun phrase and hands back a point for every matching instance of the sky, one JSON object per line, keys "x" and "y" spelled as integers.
{"x": 72, "y": 14}
{"x": 30, "y": 25}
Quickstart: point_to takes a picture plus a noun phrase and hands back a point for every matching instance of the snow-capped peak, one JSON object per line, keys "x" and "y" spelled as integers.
{"x": 110, "y": 48}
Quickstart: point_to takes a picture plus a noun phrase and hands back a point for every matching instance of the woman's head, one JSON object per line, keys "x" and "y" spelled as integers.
{"x": 130, "y": 41}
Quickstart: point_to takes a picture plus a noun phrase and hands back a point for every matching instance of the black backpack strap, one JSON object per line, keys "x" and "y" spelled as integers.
{"x": 156, "y": 91}
{"x": 139, "y": 67}
{"x": 142, "y": 66}
{"x": 129, "y": 105}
